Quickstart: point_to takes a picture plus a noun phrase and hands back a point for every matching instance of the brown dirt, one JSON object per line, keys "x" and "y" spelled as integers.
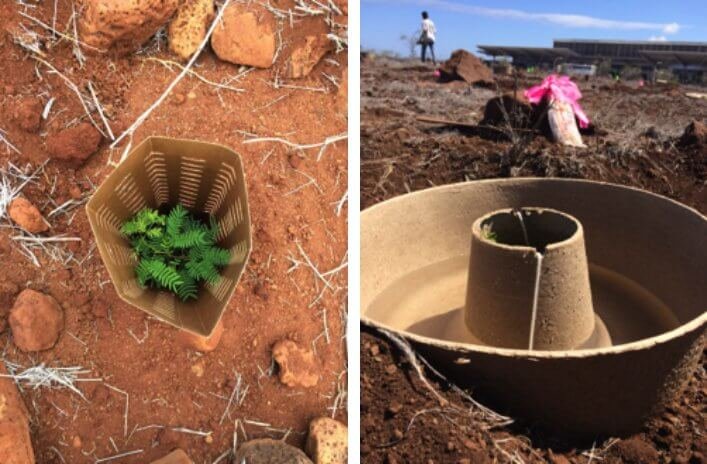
{"x": 75, "y": 143}
{"x": 28, "y": 114}
{"x": 635, "y": 142}
{"x": 467, "y": 67}
{"x": 400, "y": 153}
{"x": 160, "y": 375}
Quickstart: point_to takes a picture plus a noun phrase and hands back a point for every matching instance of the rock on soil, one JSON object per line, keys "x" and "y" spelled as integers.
{"x": 15, "y": 443}
{"x": 327, "y": 442}
{"x": 695, "y": 134}
{"x": 175, "y": 457}
{"x": 189, "y": 26}
{"x": 305, "y": 55}
{"x": 267, "y": 451}
{"x": 122, "y": 26}
{"x": 36, "y": 321}
{"x": 246, "y": 35}
{"x": 298, "y": 367}
{"x": 28, "y": 114}
{"x": 27, "y": 216}
{"x": 462, "y": 65}
{"x": 75, "y": 143}
{"x": 199, "y": 343}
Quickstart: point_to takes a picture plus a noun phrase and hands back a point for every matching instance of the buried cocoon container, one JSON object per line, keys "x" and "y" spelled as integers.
{"x": 206, "y": 179}
{"x": 646, "y": 261}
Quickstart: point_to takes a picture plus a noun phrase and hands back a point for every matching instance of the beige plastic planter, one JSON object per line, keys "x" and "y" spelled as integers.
{"x": 598, "y": 367}
{"x": 202, "y": 177}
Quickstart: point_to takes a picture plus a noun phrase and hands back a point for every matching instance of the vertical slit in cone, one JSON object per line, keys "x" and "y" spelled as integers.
{"x": 536, "y": 295}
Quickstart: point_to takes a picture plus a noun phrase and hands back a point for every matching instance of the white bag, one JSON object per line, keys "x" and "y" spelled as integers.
{"x": 563, "y": 124}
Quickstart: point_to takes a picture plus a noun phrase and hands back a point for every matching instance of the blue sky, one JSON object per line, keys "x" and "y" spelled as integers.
{"x": 467, "y": 23}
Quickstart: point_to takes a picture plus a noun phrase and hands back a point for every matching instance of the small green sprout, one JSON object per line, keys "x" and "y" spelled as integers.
{"x": 487, "y": 233}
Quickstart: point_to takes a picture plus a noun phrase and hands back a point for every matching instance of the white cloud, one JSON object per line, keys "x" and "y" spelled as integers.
{"x": 566, "y": 20}
{"x": 671, "y": 28}
{"x": 658, "y": 38}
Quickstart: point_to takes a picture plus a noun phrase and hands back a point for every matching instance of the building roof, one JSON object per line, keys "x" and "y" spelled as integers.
{"x": 674, "y": 57}
{"x": 636, "y": 42}
{"x": 535, "y": 53}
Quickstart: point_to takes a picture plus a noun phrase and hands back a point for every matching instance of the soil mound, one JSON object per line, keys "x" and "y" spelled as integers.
{"x": 693, "y": 143}
{"x": 515, "y": 111}
{"x": 695, "y": 134}
{"x": 464, "y": 66}
{"x": 504, "y": 109}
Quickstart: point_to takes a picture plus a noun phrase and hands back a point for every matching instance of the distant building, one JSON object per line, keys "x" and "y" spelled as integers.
{"x": 687, "y": 61}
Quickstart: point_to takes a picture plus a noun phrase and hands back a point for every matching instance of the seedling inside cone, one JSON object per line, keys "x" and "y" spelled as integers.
{"x": 173, "y": 228}
{"x": 175, "y": 251}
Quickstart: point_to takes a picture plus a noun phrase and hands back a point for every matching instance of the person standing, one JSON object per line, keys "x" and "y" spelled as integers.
{"x": 427, "y": 38}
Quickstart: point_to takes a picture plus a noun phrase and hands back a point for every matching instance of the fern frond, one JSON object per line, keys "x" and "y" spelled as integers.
{"x": 154, "y": 232}
{"x": 213, "y": 230}
{"x": 176, "y": 220}
{"x": 218, "y": 256}
{"x": 143, "y": 220}
{"x": 143, "y": 273}
{"x": 188, "y": 289}
{"x": 189, "y": 239}
{"x": 165, "y": 276}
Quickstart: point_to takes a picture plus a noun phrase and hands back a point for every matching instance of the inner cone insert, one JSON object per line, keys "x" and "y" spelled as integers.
{"x": 528, "y": 285}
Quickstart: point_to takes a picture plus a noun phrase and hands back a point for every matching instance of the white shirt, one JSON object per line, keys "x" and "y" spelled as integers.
{"x": 429, "y": 28}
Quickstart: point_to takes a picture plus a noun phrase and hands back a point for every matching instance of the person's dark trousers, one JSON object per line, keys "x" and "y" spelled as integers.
{"x": 432, "y": 51}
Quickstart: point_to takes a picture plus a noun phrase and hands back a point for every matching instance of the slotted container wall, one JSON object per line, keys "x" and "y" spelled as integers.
{"x": 202, "y": 177}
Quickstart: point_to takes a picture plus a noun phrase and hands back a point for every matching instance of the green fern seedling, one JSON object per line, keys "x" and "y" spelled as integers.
{"x": 176, "y": 251}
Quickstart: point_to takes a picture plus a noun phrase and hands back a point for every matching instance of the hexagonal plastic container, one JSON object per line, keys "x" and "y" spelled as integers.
{"x": 202, "y": 177}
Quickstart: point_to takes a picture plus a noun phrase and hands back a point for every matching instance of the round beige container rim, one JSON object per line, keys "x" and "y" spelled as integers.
{"x": 638, "y": 345}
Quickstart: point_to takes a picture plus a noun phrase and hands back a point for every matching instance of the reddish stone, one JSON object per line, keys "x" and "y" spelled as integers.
{"x": 27, "y": 216}
{"x": 36, "y": 321}
{"x": 15, "y": 443}
{"x": 246, "y": 35}
{"x": 297, "y": 365}
{"x": 75, "y": 143}
{"x": 305, "y": 55}
{"x": 122, "y": 26}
